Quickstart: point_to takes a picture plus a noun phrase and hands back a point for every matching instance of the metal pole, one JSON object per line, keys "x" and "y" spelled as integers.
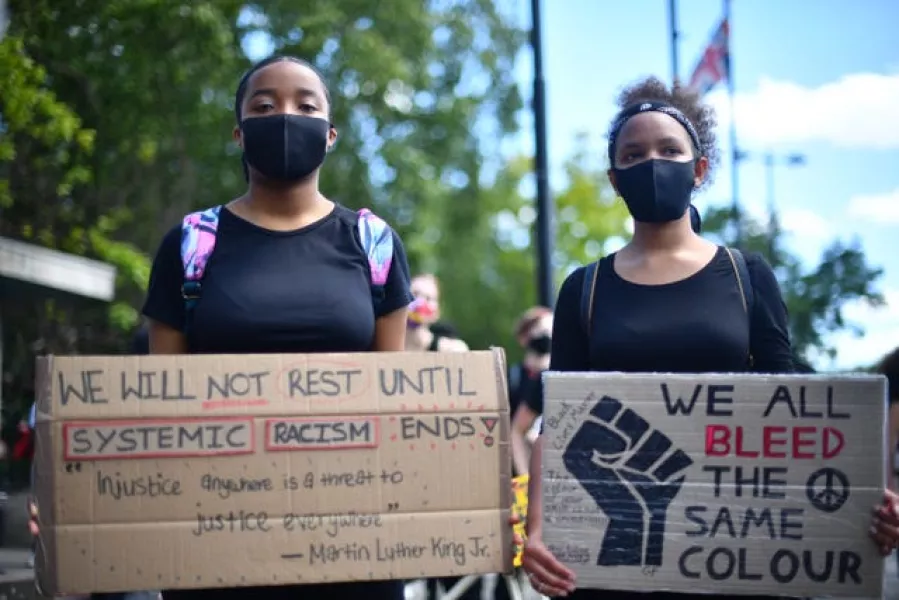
{"x": 735, "y": 151}
{"x": 674, "y": 34}
{"x": 545, "y": 288}
{"x": 772, "y": 214}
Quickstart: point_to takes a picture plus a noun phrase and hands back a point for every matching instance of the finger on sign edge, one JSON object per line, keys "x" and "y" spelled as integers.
{"x": 537, "y": 571}
{"x": 890, "y": 532}
{"x": 887, "y": 516}
{"x": 554, "y": 566}
{"x": 883, "y": 541}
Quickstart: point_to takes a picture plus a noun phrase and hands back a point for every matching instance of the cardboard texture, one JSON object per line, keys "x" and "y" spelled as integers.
{"x": 158, "y": 472}
{"x": 736, "y": 484}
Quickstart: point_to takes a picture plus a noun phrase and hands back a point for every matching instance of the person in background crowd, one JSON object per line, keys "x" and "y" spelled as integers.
{"x": 534, "y": 333}
{"x": 421, "y": 335}
{"x": 26, "y": 452}
{"x": 444, "y": 329}
{"x": 281, "y": 269}
{"x": 517, "y": 375}
{"x": 668, "y": 301}
{"x": 424, "y": 333}
{"x": 889, "y": 367}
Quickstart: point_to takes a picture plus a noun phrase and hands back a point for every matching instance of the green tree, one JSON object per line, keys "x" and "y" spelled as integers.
{"x": 815, "y": 297}
{"x": 117, "y": 120}
{"x": 588, "y": 216}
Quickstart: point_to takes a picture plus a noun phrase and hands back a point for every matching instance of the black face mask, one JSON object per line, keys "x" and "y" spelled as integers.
{"x": 540, "y": 345}
{"x": 656, "y": 191}
{"x": 285, "y": 147}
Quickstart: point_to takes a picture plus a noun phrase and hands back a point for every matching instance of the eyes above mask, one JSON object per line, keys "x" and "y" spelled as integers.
{"x": 285, "y": 147}
{"x": 657, "y": 190}
{"x": 540, "y": 344}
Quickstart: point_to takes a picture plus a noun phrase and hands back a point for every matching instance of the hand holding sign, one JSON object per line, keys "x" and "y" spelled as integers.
{"x": 631, "y": 475}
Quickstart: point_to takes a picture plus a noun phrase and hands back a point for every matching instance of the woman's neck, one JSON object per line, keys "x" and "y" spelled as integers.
{"x": 419, "y": 338}
{"x": 285, "y": 206}
{"x": 661, "y": 237}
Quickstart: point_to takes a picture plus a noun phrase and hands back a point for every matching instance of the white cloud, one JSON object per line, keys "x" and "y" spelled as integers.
{"x": 877, "y": 208}
{"x": 805, "y": 223}
{"x": 856, "y": 111}
{"x": 881, "y": 333}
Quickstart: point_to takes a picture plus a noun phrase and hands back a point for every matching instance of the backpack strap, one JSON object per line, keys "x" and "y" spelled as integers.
{"x": 198, "y": 236}
{"x": 377, "y": 242}
{"x": 744, "y": 283}
{"x": 198, "y": 232}
{"x": 588, "y": 297}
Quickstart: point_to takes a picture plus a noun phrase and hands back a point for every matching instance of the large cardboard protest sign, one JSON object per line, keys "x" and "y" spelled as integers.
{"x": 227, "y": 471}
{"x": 737, "y": 484}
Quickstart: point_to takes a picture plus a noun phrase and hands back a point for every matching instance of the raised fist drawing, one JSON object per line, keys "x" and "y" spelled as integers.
{"x": 633, "y": 474}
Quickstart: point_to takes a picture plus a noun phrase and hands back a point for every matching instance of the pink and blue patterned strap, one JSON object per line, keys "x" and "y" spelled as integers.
{"x": 377, "y": 241}
{"x": 198, "y": 234}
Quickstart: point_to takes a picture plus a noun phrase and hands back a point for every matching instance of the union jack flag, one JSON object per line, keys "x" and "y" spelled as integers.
{"x": 714, "y": 65}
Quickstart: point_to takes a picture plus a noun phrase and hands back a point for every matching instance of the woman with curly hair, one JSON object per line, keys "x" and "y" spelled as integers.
{"x": 668, "y": 301}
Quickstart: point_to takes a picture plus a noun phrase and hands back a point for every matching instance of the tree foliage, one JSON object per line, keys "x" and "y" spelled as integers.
{"x": 815, "y": 296}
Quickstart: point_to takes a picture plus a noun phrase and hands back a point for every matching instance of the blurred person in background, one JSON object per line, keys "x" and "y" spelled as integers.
{"x": 889, "y": 367}
{"x": 534, "y": 334}
{"x": 423, "y": 331}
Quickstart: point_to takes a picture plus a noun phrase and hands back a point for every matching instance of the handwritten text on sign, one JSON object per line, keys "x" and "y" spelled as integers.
{"x": 340, "y": 382}
{"x": 715, "y": 485}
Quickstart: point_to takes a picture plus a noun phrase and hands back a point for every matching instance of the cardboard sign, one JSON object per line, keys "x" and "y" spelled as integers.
{"x": 715, "y": 483}
{"x": 171, "y": 472}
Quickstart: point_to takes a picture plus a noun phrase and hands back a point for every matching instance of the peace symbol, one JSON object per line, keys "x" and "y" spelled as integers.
{"x": 827, "y": 489}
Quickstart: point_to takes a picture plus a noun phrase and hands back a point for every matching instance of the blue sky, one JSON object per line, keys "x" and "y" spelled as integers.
{"x": 817, "y": 77}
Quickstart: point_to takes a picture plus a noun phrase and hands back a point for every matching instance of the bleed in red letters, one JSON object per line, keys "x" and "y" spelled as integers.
{"x": 774, "y": 441}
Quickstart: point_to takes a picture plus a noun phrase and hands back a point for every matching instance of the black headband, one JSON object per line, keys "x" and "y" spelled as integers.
{"x": 635, "y": 109}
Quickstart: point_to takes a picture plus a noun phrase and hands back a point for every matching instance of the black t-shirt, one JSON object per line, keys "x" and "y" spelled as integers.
{"x": 264, "y": 291}
{"x": 523, "y": 383}
{"x": 697, "y": 325}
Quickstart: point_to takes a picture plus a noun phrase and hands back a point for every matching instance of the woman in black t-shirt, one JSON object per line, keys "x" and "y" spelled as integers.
{"x": 669, "y": 301}
{"x": 288, "y": 273}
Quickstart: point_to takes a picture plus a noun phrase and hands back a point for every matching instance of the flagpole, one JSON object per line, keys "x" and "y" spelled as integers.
{"x": 735, "y": 151}
{"x": 673, "y": 34}
{"x": 545, "y": 210}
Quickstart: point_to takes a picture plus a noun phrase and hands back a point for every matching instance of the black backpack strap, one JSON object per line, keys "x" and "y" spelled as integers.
{"x": 744, "y": 283}
{"x": 588, "y": 297}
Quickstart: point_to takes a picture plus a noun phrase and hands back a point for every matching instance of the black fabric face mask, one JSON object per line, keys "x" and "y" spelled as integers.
{"x": 656, "y": 191}
{"x": 540, "y": 345}
{"x": 285, "y": 147}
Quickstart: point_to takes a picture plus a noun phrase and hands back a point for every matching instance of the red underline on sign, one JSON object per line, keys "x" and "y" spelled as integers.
{"x": 213, "y": 404}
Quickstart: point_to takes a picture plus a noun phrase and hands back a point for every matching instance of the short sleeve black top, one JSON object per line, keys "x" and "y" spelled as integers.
{"x": 696, "y": 325}
{"x": 263, "y": 291}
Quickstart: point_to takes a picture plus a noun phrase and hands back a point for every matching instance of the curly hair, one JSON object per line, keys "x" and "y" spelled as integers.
{"x": 652, "y": 89}
{"x": 889, "y": 366}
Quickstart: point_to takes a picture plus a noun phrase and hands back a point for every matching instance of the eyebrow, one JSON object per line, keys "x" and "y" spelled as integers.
{"x": 670, "y": 139}
{"x": 302, "y": 91}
